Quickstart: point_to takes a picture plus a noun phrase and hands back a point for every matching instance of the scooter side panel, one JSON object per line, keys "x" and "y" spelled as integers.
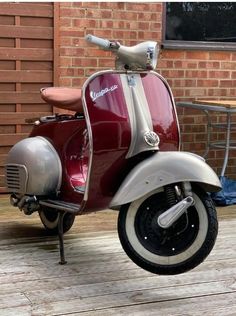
{"x": 66, "y": 136}
{"x": 111, "y": 131}
{"x": 111, "y": 135}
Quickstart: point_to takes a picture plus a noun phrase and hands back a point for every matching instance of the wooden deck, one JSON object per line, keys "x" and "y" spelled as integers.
{"x": 99, "y": 278}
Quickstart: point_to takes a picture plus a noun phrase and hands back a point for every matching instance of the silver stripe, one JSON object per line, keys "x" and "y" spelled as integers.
{"x": 139, "y": 113}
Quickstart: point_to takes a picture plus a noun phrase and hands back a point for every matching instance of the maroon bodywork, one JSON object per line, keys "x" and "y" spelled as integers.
{"x": 110, "y": 131}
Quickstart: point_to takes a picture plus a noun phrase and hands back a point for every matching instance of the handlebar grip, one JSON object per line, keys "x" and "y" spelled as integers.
{"x": 104, "y": 43}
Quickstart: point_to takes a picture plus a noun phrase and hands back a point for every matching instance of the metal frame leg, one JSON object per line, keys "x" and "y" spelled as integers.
{"x": 227, "y": 145}
{"x": 208, "y": 133}
{"x": 61, "y": 239}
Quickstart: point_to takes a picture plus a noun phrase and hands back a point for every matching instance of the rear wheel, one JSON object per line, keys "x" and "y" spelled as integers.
{"x": 175, "y": 250}
{"x": 50, "y": 218}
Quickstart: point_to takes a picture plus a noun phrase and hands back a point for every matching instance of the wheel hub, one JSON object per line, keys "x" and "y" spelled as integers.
{"x": 165, "y": 242}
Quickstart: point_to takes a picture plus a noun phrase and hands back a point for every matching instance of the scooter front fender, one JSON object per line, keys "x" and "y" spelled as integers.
{"x": 164, "y": 168}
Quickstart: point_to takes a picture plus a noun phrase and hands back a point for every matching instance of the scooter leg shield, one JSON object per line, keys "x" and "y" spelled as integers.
{"x": 164, "y": 168}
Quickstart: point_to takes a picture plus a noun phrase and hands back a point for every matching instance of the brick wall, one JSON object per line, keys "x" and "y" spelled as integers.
{"x": 128, "y": 22}
{"x": 201, "y": 75}
{"x": 191, "y": 74}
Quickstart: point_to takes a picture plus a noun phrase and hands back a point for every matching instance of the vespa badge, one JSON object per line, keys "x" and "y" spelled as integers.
{"x": 151, "y": 138}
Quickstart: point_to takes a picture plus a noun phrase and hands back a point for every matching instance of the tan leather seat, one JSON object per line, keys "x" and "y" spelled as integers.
{"x": 63, "y": 98}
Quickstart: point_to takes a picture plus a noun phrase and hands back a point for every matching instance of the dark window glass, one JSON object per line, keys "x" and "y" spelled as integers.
{"x": 201, "y": 21}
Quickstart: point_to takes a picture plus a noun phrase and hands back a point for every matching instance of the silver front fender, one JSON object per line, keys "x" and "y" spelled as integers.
{"x": 164, "y": 168}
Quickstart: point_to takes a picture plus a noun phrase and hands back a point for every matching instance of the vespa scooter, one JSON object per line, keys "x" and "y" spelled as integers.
{"x": 119, "y": 150}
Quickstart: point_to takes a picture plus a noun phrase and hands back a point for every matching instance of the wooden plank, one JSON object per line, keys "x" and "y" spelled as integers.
{"x": 26, "y": 32}
{"x": 85, "y": 303}
{"x": 25, "y": 76}
{"x": 24, "y": 310}
{"x": 2, "y": 180}
{"x": 18, "y": 299}
{"x": 11, "y": 139}
{"x": 36, "y": 65}
{"x": 26, "y": 54}
{"x": 29, "y": 9}
{"x": 20, "y": 97}
{"x": 222, "y": 304}
{"x": 36, "y": 21}
{"x": 2, "y": 160}
{"x": 224, "y": 103}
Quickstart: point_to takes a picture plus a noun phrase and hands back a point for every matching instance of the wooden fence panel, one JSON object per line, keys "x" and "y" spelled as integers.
{"x": 26, "y": 65}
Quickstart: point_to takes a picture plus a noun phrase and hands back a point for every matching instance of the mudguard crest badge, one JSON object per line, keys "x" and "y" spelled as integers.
{"x": 151, "y": 138}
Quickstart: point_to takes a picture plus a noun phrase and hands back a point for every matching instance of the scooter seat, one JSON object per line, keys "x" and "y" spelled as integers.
{"x": 63, "y": 98}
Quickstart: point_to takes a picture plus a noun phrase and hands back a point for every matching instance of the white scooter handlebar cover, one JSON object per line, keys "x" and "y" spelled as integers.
{"x": 104, "y": 43}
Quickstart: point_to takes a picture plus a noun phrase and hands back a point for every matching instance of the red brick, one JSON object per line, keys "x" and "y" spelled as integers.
{"x": 104, "y": 33}
{"x": 112, "y": 5}
{"x": 106, "y": 63}
{"x": 77, "y": 82}
{"x": 118, "y": 24}
{"x": 134, "y": 6}
{"x": 196, "y": 73}
{"x": 219, "y": 74}
{"x": 233, "y": 56}
{"x": 65, "y": 82}
{"x": 219, "y": 55}
{"x": 173, "y": 54}
{"x": 84, "y": 62}
{"x": 125, "y": 15}
{"x": 217, "y": 92}
{"x": 83, "y": 23}
{"x": 209, "y": 64}
{"x": 72, "y": 12}
{"x": 195, "y": 93}
{"x": 72, "y": 33}
{"x": 227, "y": 84}
{"x": 149, "y": 16}
{"x": 71, "y": 51}
{"x": 66, "y": 22}
{"x": 233, "y": 74}
{"x": 207, "y": 83}
{"x": 86, "y": 4}
{"x": 197, "y": 55}
{"x": 228, "y": 65}
{"x": 106, "y": 24}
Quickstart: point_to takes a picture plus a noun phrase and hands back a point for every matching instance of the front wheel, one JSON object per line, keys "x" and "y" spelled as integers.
{"x": 50, "y": 219}
{"x": 175, "y": 250}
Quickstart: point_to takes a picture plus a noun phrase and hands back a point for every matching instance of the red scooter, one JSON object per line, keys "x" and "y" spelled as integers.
{"x": 120, "y": 150}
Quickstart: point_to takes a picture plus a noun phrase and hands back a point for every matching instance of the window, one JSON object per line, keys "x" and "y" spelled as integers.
{"x": 200, "y": 25}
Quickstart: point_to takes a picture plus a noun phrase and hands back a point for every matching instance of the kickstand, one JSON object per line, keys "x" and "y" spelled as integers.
{"x": 61, "y": 240}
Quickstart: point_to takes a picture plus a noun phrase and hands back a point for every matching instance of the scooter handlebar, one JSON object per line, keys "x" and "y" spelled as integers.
{"x": 103, "y": 43}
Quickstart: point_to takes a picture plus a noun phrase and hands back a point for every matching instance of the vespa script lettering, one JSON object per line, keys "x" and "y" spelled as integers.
{"x": 95, "y": 95}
